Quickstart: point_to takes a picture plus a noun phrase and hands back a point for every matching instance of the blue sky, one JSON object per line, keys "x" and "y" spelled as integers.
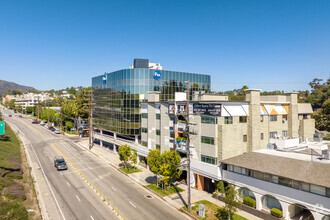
{"x": 269, "y": 45}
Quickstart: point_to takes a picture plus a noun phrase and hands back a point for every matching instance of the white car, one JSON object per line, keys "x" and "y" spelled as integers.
{"x": 57, "y": 131}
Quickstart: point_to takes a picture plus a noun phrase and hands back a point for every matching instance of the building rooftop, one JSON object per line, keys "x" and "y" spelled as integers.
{"x": 298, "y": 166}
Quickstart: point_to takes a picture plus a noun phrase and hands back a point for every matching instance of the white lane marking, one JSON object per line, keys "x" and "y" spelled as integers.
{"x": 92, "y": 218}
{"x": 51, "y": 190}
{"x": 132, "y": 204}
{"x": 78, "y": 198}
{"x": 61, "y": 173}
{"x": 113, "y": 188}
{"x": 68, "y": 184}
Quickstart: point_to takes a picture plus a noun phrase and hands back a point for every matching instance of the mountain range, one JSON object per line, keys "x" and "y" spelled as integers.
{"x": 5, "y": 86}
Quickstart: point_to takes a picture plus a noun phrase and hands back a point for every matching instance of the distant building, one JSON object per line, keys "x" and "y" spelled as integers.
{"x": 28, "y": 99}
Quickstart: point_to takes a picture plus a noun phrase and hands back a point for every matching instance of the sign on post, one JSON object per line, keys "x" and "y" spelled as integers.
{"x": 2, "y": 127}
{"x": 201, "y": 210}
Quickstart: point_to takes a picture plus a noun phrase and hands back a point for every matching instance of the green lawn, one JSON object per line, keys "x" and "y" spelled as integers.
{"x": 169, "y": 190}
{"x": 10, "y": 155}
{"x": 210, "y": 211}
{"x": 11, "y": 175}
{"x": 130, "y": 170}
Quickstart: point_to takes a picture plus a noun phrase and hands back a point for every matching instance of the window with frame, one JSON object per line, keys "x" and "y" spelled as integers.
{"x": 273, "y": 118}
{"x": 285, "y": 117}
{"x": 144, "y": 130}
{"x": 295, "y": 184}
{"x": 242, "y": 119}
{"x": 172, "y": 134}
{"x": 284, "y": 133}
{"x": 261, "y": 118}
{"x": 258, "y": 175}
{"x": 157, "y": 132}
{"x": 209, "y": 120}
{"x": 305, "y": 186}
{"x": 273, "y": 134}
{"x": 158, "y": 146}
{"x": 320, "y": 190}
{"x": 207, "y": 140}
{"x": 284, "y": 181}
{"x": 157, "y": 116}
{"x": 144, "y": 143}
{"x": 267, "y": 177}
{"x": 305, "y": 116}
{"x": 144, "y": 115}
{"x": 172, "y": 117}
{"x": 207, "y": 159}
{"x": 261, "y": 136}
{"x": 274, "y": 179}
{"x": 245, "y": 138}
{"x": 228, "y": 120}
{"x": 237, "y": 169}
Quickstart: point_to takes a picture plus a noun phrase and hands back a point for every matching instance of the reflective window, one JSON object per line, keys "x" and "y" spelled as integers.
{"x": 320, "y": 190}
{"x": 207, "y": 140}
{"x": 208, "y": 159}
{"x": 209, "y": 120}
{"x": 228, "y": 120}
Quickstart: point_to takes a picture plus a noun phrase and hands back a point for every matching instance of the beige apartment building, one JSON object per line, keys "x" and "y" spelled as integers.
{"x": 223, "y": 129}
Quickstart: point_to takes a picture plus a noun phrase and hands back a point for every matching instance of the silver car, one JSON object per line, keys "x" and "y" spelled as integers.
{"x": 57, "y": 131}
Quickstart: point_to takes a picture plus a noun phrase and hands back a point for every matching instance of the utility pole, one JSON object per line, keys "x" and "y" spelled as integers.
{"x": 188, "y": 147}
{"x": 38, "y": 107}
{"x": 48, "y": 108}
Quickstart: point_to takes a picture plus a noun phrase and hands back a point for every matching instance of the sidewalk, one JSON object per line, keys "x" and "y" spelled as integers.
{"x": 146, "y": 177}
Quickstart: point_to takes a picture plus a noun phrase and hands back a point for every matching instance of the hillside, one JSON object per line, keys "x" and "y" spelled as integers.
{"x": 5, "y": 86}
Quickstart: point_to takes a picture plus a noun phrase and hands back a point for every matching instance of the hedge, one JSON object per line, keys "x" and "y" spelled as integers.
{"x": 276, "y": 212}
{"x": 249, "y": 202}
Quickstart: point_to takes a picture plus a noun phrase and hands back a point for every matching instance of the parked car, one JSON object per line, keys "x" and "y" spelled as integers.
{"x": 9, "y": 115}
{"x": 42, "y": 123}
{"x": 57, "y": 131}
{"x": 51, "y": 128}
{"x": 34, "y": 121}
{"x": 60, "y": 163}
{"x": 46, "y": 126}
{"x": 20, "y": 116}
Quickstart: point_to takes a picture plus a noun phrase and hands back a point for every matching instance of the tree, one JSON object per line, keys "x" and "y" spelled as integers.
{"x": 17, "y": 92}
{"x": 232, "y": 199}
{"x": 154, "y": 162}
{"x": 124, "y": 152}
{"x": 44, "y": 115}
{"x": 69, "y": 125}
{"x": 322, "y": 116}
{"x": 134, "y": 158}
{"x": 165, "y": 171}
{"x": 173, "y": 159}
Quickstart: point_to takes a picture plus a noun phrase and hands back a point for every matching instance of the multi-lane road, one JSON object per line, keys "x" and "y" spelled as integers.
{"x": 64, "y": 194}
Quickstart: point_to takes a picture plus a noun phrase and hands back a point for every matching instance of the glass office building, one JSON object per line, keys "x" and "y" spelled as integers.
{"x": 117, "y": 95}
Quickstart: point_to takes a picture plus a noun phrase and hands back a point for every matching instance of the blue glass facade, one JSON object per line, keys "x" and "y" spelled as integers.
{"x": 117, "y": 99}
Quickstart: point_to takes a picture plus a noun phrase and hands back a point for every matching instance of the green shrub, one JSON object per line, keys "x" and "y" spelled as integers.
{"x": 276, "y": 212}
{"x": 249, "y": 202}
{"x": 221, "y": 214}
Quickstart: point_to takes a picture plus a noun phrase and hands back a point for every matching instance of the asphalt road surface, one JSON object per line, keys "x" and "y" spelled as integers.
{"x": 64, "y": 193}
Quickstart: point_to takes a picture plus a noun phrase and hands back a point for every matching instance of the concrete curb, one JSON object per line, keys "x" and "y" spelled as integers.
{"x": 187, "y": 213}
{"x": 40, "y": 200}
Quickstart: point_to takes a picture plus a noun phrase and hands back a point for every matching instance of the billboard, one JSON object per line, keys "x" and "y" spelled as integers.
{"x": 207, "y": 109}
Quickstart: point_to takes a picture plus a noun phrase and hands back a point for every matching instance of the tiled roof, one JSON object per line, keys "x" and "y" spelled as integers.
{"x": 306, "y": 171}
